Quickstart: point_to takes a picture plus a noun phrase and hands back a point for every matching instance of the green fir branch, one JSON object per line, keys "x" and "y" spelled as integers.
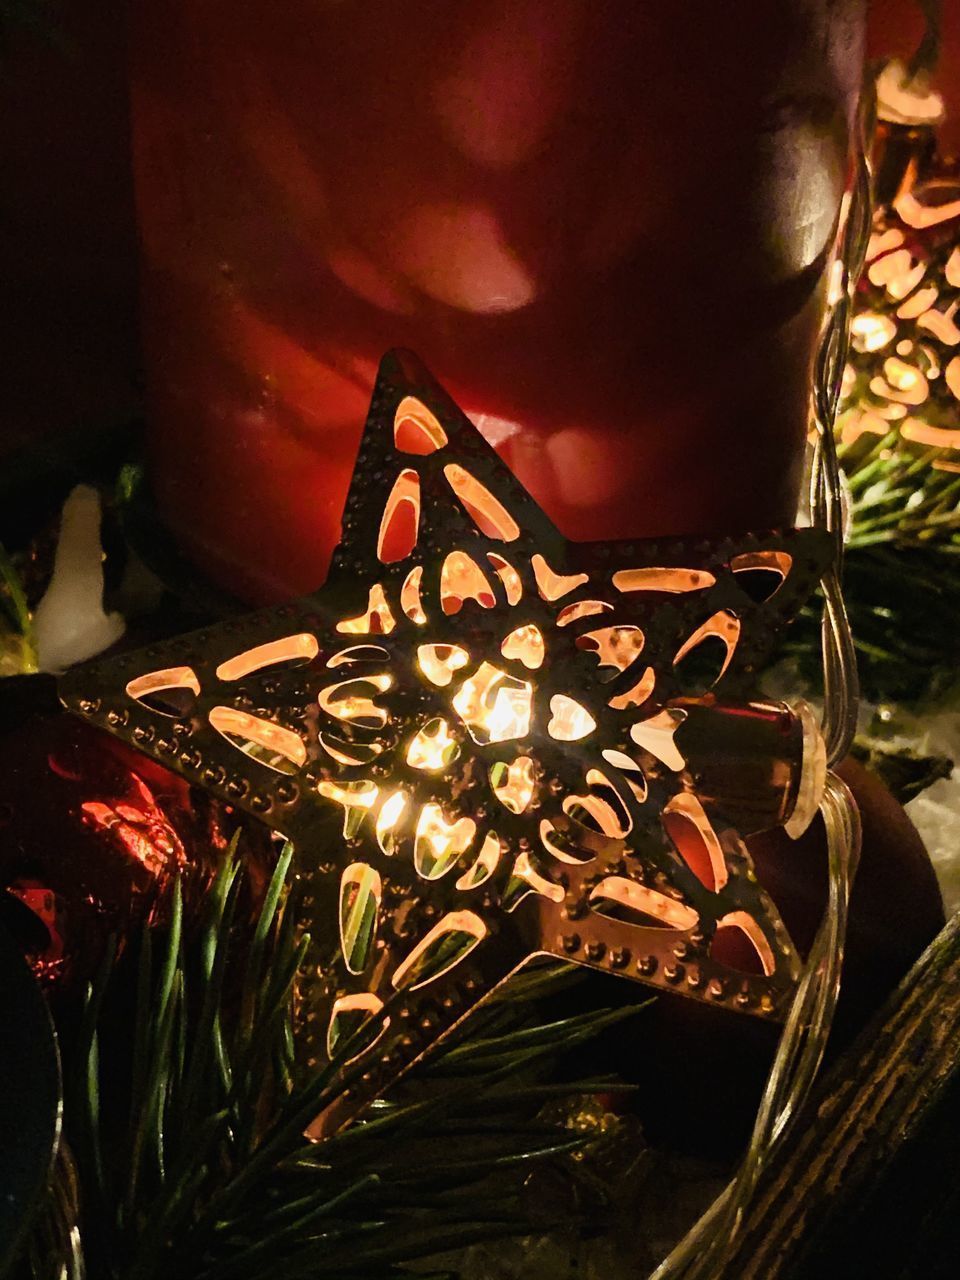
{"x": 901, "y": 572}
{"x": 192, "y": 1162}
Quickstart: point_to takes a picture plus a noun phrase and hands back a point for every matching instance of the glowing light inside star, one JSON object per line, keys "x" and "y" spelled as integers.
{"x": 494, "y": 706}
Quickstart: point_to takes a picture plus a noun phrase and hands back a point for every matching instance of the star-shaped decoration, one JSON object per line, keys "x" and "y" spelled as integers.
{"x": 903, "y": 373}
{"x": 489, "y": 744}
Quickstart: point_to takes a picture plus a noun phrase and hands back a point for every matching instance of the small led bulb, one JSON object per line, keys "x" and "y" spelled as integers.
{"x": 759, "y": 764}
{"x": 813, "y": 773}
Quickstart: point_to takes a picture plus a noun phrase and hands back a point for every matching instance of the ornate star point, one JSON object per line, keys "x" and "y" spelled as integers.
{"x": 488, "y": 744}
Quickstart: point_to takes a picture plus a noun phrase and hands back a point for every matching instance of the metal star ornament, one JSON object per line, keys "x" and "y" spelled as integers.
{"x": 489, "y": 744}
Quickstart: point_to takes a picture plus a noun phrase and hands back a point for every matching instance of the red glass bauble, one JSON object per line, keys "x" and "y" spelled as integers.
{"x": 92, "y": 836}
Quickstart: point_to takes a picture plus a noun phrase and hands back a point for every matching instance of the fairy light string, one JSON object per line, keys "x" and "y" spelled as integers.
{"x": 703, "y": 1252}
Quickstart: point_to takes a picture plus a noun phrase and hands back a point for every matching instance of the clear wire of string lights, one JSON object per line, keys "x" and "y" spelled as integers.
{"x": 701, "y": 1254}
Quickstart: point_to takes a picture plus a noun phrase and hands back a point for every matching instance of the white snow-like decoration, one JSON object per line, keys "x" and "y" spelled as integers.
{"x": 70, "y": 624}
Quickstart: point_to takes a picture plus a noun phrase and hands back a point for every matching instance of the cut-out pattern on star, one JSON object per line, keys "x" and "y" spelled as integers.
{"x": 903, "y": 374}
{"x": 488, "y": 744}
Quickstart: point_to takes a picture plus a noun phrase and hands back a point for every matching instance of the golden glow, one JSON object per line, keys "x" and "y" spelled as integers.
{"x": 351, "y": 700}
{"x": 410, "y": 596}
{"x": 553, "y": 586}
{"x": 656, "y": 736}
{"x": 740, "y": 920}
{"x": 362, "y": 1003}
{"x": 725, "y": 626}
{"x": 870, "y": 332}
{"x": 439, "y": 662}
{"x": 461, "y": 579}
{"x": 357, "y": 799}
{"x": 856, "y": 421}
{"x": 942, "y": 325}
{"x": 360, "y": 891}
{"x": 494, "y": 706}
{"x": 917, "y": 213}
{"x": 377, "y": 620}
{"x": 401, "y": 519}
{"x": 437, "y": 843}
{"x": 391, "y": 811}
{"x": 302, "y": 647}
{"x": 637, "y": 694}
{"x": 381, "y": 739}
{"x": 158, "y": 681}
{"x": 349, "y": 753}
{"x": 513, "y": 784}
{"x": 905, "y": 97}
{"x": 415, "y": 429}
{"x": 570, "y": 721}
{"x": 619, "y": 759}
{"x": 525, "y": 645}
{"x": 686, "y": 808}
{"x": 892, "y": 411}
{"x": 487, "y": 513}
{"x": 447, "y": 943}
{"x": 358, "y": 653}
{"x": 883, "y": 242}
{"x": 637, "y": 897}
{"x": 931, "y": 355}
{"x": 901, "y": 376}
{"x": 485, "y": 865}
{"x": 773, "y": 561}
{"x": 896, "y": 273}
{"x": 512, "y": 583}
{"x": 917, "y": 303}
{"x": 914, "y": 388}
{"x": 632, "y": 773}
{"x": 614, "y": 647}
{"x": 432, "y": 748}
{"x": 933, "y": 437}
{"x": 606, "y": 817}
{"x": 548, "y": 834}
{"x": 674, "y": 581}
{"x": 582, "y": 609}
{"x": 262, "y": 740}
{"x": 524, "y": 870}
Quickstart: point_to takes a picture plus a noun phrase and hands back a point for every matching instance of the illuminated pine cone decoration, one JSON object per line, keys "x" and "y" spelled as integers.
{"x": 903, "y": 374}
{"x": 487, "y": 743}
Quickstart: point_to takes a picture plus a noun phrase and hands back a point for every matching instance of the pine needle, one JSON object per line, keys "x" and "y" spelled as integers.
{"x": 216, "y": 1180}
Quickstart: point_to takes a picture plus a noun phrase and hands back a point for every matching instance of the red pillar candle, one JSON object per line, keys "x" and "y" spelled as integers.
{"x": 603, "y": 224}
{"x": 68, "y": 245}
